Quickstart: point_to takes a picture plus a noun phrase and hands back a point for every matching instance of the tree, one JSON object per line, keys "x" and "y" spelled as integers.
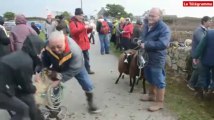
{"x": 130, "y": 15}
{"x": 66, "y": 15}
{"x": 117, "y": 11}
{"x": 9, "y": 15}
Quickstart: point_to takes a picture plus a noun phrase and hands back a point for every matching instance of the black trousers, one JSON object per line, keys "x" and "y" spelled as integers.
{"x": 86, "y": 59}
{"x": 118, "y": 43}
{"x": 113, "y": 38}
{"x": 24, "y": 107}
{"x": 126, "y": 43}
{"x": 92, "y": 37}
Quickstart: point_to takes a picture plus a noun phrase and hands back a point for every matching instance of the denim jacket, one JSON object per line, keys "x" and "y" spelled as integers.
{"x": 156, "y": 40}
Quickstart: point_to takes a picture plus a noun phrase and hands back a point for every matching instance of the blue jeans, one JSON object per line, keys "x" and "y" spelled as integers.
{"x": 84, "y": 80}
{"x": 104, "y": 43}
{"x": 155, "y": 76}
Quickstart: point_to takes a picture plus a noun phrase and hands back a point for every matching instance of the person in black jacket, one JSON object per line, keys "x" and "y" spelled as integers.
{"x": 16, "y": 87}
{"x": 62, "y": 25}
{"x": 35, "y": 28}
{"x": 4, "y": 39}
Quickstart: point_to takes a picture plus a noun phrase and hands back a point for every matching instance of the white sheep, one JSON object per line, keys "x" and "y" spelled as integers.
{"x": 188, "y": 42}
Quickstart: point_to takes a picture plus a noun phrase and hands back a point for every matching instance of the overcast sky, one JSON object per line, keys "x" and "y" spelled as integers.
{"x": 90, "y": 7}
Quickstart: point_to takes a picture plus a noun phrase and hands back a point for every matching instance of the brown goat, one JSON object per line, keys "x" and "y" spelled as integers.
{"x": 123, "y": 67}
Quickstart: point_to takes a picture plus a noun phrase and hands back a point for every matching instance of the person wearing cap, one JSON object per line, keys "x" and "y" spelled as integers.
{"x": 79, "y": 32}
{"x": 33, "y": 25}
{"x": 20, "y": 32}
{"x": 4, "y": 39}
{"x": 127, "y": 34}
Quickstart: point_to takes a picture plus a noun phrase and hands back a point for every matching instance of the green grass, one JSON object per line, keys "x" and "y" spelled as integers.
{"x": 42, "y": 35}
{"x": 181, "y": 101}
{"x": 114, "y": 50}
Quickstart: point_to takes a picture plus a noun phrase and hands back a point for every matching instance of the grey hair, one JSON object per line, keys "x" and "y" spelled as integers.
{"x": 159, "y": 10}
{"x": 56, "y": 35}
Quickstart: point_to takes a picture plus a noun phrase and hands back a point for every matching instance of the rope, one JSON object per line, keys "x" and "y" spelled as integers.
{"x": 141, "y": 62}
{"x": 54, "y": 100}
{"x": 136, "y": 48}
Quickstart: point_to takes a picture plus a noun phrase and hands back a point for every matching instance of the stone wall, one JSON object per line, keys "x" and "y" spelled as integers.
{"x": 176, "y": 59}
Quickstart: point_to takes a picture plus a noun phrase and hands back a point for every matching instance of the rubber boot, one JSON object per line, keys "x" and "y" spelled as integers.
{"x": 199, "y": 93}
{"x": 91, "y": 106}
{"x": 151, "y": 96}
{"x": 159, "y": 101}
{"x": 90, "y": 72}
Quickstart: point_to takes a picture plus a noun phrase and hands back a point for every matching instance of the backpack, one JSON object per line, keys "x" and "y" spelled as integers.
{"x": 104, "y": 28}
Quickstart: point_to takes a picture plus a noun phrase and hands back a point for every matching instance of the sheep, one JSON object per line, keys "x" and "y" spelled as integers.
{"x": 47, "y": 97}
{"x": 188, "y": 42}
{"x": 134, "y": 71}
{"x": 128, "y": 65}
{"x": 124, "y": 63}
{"x": 174, "y": 44}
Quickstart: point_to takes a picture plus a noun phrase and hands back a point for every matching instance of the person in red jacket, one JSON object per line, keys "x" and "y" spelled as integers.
{"x": 127, "y": 34}
{"x": 79, "y": 32}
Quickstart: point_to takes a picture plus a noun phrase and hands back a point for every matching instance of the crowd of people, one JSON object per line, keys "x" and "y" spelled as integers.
{"x": 27, "y": 54}
{"x": 124, "y": 32}
{"x": 66, "y": 51}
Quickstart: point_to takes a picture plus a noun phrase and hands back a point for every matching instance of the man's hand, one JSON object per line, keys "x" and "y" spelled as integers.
{"x": 139, "y": 42}
{"x": 195, "y": 61}
{"x": 142, "y": 45}
{"x": 55, "y": 83}
{"x": 37, "y": 77}
{"x": 123, "y": 32}
{"x": 88, "y": 27}
{"x": 54, "y": 76}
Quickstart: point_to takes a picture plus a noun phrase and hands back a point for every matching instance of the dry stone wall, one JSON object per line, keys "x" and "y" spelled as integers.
{"x": 177, "y": 58}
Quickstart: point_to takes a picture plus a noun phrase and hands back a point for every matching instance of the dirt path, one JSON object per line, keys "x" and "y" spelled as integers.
{"x": 115, "y": 100}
